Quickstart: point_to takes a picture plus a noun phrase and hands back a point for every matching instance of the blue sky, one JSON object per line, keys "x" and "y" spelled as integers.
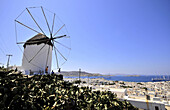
{"x": 107, "y": 36}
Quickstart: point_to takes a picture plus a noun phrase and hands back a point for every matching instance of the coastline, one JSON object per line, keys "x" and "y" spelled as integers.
{"x": 144, "y": 78}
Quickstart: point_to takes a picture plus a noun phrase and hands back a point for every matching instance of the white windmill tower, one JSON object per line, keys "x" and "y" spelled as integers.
{"x": 46, "y": 34}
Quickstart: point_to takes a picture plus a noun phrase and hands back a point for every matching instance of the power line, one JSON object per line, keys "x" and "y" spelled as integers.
{"x": 2, "y": 51}
{"x": 3, "y": 48}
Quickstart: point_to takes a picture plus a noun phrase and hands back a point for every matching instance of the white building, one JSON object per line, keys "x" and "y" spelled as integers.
{"x": 119, "y": 92}
{"x": 146, "y": 105}
{"x": 37, "y": 54}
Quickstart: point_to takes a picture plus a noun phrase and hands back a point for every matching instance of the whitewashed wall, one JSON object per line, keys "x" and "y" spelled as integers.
{"x": 143, "y": 105}
{"x": 39, "y": 62}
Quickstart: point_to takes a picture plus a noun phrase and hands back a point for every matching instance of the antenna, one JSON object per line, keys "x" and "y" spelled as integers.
{"x": 8, "y": 61}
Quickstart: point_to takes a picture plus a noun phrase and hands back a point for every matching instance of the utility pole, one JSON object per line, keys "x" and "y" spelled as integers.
{"x": 147, "y": 98}
{"x": 88, "y": 80}
{"x": 79, "y": 73}
{"x": 8, "y": 61}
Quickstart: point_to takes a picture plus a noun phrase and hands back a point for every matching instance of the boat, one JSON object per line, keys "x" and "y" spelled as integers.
{"x": 160, "y": 79}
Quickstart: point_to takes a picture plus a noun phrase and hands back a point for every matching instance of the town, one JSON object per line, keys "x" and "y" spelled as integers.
{"x": 138, "y": 93}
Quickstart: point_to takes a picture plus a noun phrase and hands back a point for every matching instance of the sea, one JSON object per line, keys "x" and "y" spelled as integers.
{"x": 141, "y": 78}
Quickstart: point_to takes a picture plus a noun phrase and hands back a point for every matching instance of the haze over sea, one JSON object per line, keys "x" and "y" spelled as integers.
{"x": 141, "y": 78}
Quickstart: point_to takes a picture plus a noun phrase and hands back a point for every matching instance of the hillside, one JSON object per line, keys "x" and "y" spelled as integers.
{"x": 76, "y": 73}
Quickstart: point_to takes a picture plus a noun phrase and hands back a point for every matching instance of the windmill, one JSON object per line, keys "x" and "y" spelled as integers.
{"x": 47, "y": 34}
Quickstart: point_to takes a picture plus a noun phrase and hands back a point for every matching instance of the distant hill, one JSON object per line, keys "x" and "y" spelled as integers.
{"x": 76, "y": 73}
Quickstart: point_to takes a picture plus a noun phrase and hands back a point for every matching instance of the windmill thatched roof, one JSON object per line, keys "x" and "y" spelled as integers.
{"x": 38, "y": 39}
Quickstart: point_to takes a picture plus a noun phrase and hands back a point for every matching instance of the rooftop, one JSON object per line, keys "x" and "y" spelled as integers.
{"x": 38, "y": 39}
